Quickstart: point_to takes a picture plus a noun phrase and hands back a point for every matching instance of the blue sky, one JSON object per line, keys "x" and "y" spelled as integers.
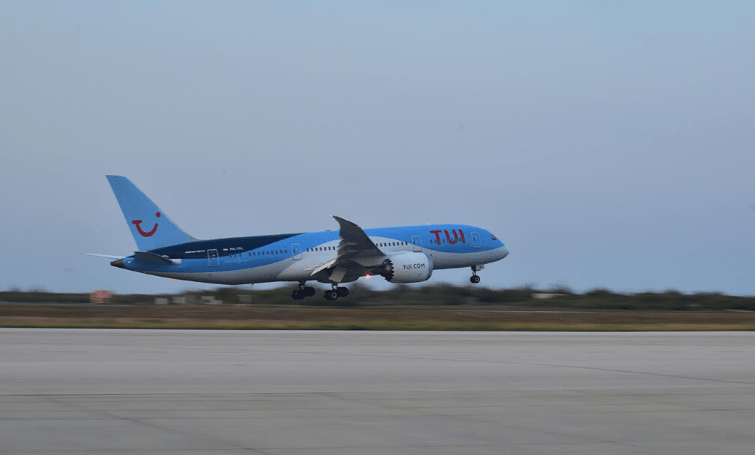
{"x": 609, "y": 144}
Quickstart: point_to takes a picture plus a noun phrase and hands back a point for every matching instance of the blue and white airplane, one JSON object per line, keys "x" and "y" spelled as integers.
{"x": 405, "y": 254}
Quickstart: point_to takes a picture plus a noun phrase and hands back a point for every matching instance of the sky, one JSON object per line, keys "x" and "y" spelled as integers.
{"x": 609, "y": 144}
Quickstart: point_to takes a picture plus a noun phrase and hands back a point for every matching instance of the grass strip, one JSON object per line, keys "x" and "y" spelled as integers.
{"x": 377, "y": 325}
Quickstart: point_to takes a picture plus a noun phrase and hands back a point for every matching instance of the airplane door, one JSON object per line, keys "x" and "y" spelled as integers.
{"x": 296, "y": 251}
{"x": 417, "y": 242}
{"x": 212, "y": 258}
{"x": 476, "y": 240}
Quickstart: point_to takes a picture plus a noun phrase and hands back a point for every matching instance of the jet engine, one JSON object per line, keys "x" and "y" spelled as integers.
{"x": 407, "y": 268}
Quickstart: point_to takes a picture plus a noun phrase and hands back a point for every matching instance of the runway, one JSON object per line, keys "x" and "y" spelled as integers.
{"x": 285, "y": 392}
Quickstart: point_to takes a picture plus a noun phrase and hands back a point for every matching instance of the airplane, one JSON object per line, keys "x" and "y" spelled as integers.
{"x": 404, "y": 254}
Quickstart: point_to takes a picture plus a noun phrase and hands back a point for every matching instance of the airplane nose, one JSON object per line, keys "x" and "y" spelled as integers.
{"x": 504, "y": 252}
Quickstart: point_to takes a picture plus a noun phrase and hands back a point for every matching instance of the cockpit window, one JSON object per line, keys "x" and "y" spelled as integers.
{"x": 494, "y": 237}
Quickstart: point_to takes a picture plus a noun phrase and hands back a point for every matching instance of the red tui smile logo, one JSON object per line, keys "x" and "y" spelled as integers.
{"x": 138, "y": 223}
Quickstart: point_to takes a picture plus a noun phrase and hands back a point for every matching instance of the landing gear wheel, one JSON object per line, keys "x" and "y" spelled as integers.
{"x": 342, "y": 292}
{"x": 474, "y": 279}
{"x": 331, "y": 295}
{"x": 302, "y": 292}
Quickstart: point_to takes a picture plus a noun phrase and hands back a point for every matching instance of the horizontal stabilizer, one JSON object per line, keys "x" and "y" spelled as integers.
{"x": 145, "y": 257}
{"x": 106, "y": 256}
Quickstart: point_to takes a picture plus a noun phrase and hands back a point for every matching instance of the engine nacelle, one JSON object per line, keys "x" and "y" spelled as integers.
{"x": 407, "y": 268}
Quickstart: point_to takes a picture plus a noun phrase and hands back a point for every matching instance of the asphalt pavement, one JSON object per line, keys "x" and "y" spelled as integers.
{"x": 358, "y": 392}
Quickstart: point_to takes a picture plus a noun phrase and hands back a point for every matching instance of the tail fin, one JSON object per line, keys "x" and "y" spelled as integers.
{"x": 149, "y": 225}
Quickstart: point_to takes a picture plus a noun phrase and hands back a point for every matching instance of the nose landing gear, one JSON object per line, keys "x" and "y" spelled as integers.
{"x": 474, "y": 279}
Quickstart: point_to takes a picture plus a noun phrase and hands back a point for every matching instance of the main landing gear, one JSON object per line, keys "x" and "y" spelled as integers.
{"x": 308, "y": 291}
{"x": 336, "y": 292}
{"x": 474, "y": 279}
{"x": 302, "y": 292}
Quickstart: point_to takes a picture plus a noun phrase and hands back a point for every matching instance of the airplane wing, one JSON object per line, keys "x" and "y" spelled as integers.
{"x": 356, "y": 253}
{"x": 354, "y": 242}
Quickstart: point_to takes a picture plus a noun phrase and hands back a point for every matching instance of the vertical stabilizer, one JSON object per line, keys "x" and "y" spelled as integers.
{"x": 149, "y": 225}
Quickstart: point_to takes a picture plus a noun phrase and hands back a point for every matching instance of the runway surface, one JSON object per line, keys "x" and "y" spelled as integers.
{"x": 270, "y": 392}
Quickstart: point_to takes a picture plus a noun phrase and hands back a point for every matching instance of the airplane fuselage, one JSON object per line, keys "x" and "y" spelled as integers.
{"x": 404, "y": 254}
{"x": 293, "y": 257}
